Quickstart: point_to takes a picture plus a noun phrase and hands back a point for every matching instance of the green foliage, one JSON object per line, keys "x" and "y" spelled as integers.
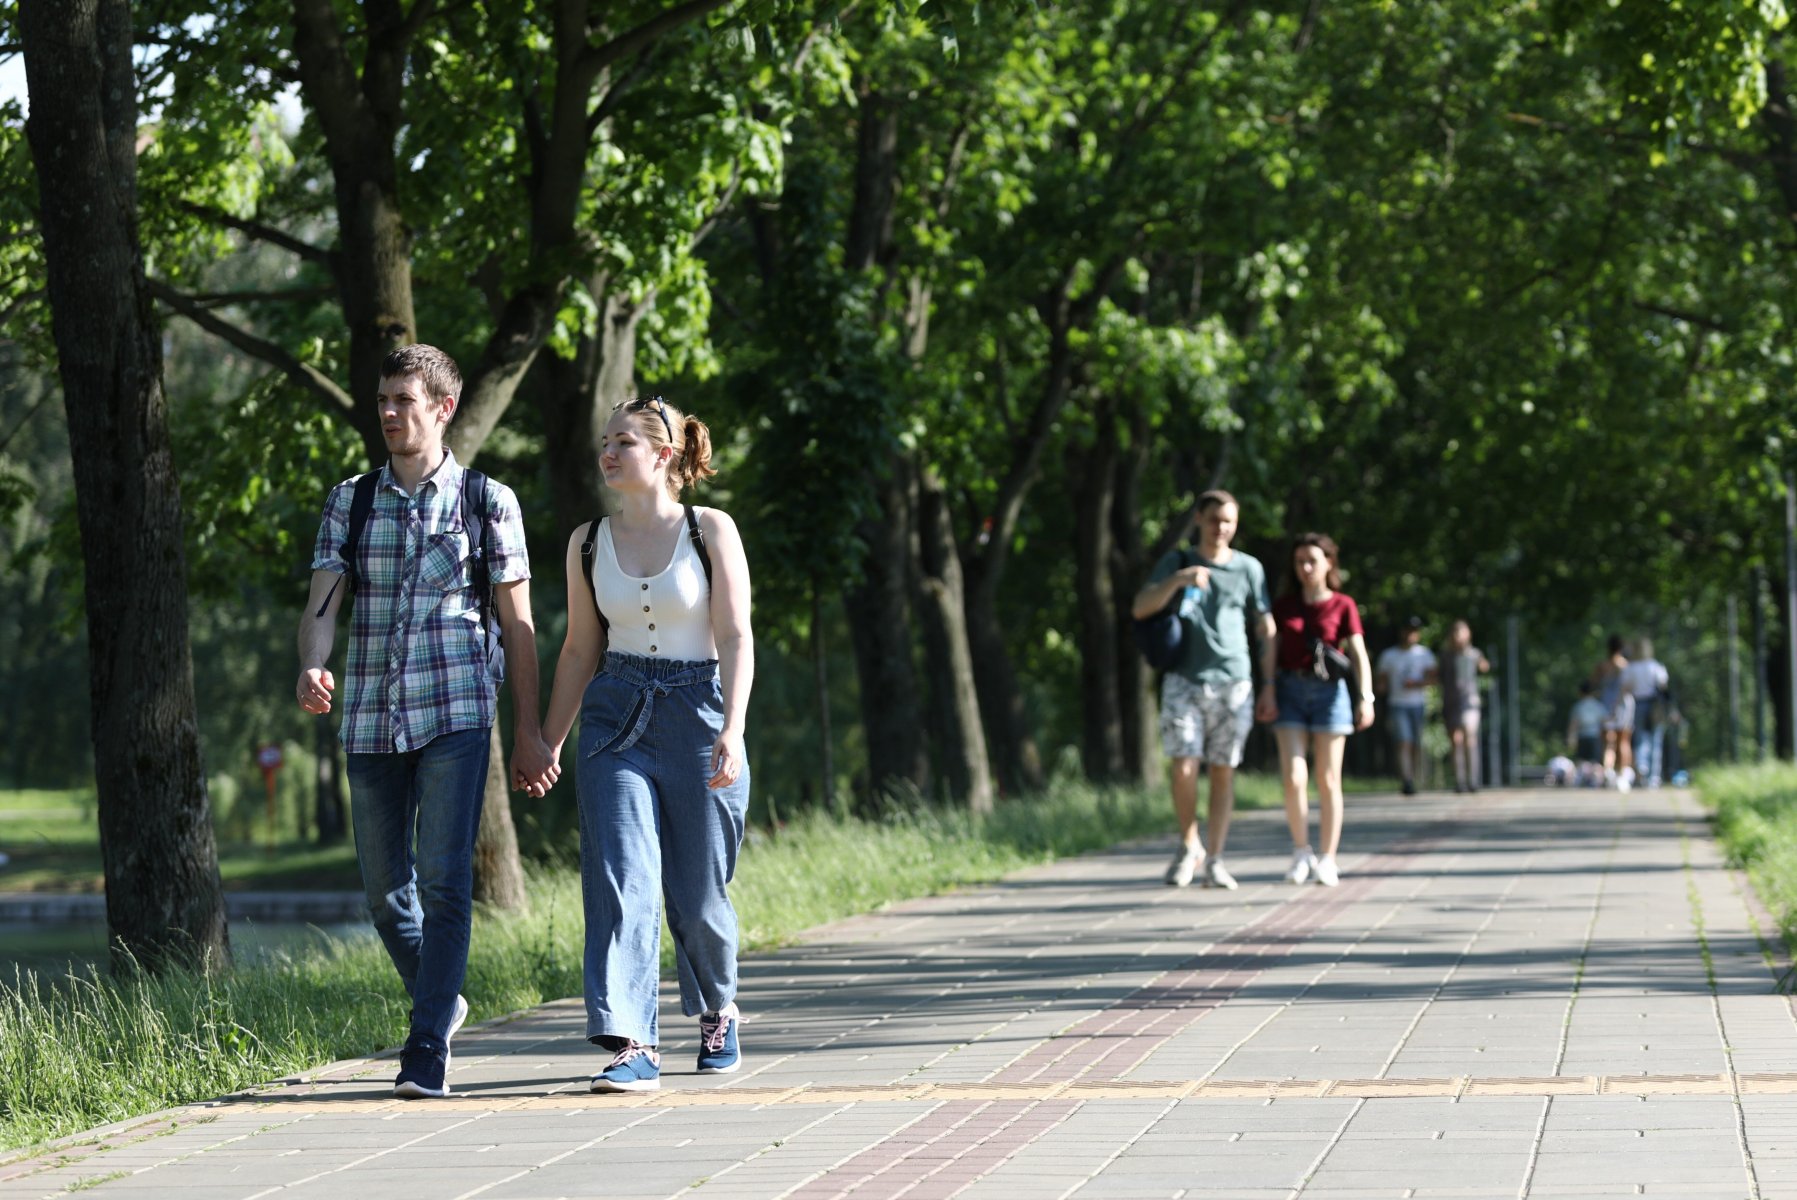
{"x": 1756, "y": 822}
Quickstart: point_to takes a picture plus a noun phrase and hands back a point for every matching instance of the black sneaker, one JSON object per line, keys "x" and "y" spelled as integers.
{"x": 422, "y": 1065}
{"x": 1409, "y": 788}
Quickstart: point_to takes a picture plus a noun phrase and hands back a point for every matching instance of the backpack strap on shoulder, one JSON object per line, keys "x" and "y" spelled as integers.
{"x": 588, "y": 550}
{"x": 474, "y": 498}
{"x": 697, "y": 536}
{"x": 361, "y": 503}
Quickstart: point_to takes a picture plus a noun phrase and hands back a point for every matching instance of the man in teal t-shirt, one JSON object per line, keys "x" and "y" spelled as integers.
{"x": 1207, "y": 699}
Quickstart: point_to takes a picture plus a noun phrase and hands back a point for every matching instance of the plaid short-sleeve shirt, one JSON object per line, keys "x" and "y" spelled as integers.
{"x": 417, "y": 655}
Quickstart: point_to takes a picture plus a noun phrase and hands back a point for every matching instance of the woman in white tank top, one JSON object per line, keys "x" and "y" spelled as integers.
{"x": 658, "y": 661}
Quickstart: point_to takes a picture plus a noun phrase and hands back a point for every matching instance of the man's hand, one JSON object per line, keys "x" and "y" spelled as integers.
{"x": 534, "y": 765}
{"x": 1266, "y": 705}
{"x": 1196, "y": 576}
{"x": 314, "y": 690}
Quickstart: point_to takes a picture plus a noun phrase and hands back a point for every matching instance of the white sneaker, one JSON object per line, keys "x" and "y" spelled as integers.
{"x": 1183, "y": 867}
{"x": 1325, "y": 871}
{"x": 455, "y": 1022}
{"x": 1303, "y": 862}
{"x": 1216, "y": 875}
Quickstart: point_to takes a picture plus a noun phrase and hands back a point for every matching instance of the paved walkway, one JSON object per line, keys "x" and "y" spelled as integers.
{"x": 1527, "y": 994}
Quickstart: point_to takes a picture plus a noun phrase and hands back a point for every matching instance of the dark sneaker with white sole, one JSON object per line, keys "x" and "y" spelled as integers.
{"x": 719, "y": 1053}
{"x": 422, "y": 1067}
{"x": 635, "y": 1068}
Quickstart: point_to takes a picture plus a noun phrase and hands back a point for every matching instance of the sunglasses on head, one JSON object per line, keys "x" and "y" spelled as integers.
{"x": 661, "y": 410}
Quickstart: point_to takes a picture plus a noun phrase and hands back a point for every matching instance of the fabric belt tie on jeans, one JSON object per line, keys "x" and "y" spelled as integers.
{"x": 628, "y": 669}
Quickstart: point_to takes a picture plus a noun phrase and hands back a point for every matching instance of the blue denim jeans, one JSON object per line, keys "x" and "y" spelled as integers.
{"x": 652, "y": 833}
{"x": 1649, "y": 744}
{"x": 415, "y": 816}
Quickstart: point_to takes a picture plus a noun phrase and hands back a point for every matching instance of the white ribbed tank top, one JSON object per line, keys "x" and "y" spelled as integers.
{"x": 660, "y": 616}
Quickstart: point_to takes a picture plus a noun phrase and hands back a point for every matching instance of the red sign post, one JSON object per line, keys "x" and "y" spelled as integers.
{"x": 269, "y": 758}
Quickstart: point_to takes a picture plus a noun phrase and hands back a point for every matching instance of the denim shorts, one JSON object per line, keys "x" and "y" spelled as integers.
{"x": 1309, "y": 703}
{"x": 1406, "y": 721}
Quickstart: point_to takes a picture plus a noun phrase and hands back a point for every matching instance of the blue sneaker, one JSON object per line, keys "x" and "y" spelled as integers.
{"x": 636, "y": 1068}
{"x": 718, "y": 1051}
{"x": 422, "y": 1065}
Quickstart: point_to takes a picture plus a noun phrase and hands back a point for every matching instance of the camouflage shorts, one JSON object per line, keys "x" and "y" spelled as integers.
{"x": 1206, "y": 720}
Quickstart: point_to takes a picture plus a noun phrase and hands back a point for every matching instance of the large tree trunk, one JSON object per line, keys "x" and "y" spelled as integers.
{"x": 956, "y": 729}
{"x": 1129, "y": 570}
{"x": 1091, "y": 475}
{"x": 880, "y": 630}
{"x": 164, "y": 905}
{"x": 327, "y": 783}
{"x": 1019, "y": 762}
{"x": 498, "y": 873}
{"x": 576, "y": 400}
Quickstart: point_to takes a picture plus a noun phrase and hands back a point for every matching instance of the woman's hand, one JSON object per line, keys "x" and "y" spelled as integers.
{"x": 726, "y": 759}
{"x": 1266, "y": 705}
{"x": 1363, "y": 713}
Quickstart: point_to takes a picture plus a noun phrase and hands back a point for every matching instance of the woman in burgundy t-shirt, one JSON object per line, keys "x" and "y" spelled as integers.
{"x": 1317, "y": 714}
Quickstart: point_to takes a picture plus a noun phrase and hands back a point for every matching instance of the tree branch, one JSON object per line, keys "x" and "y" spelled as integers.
{"x": 26, "y": 419}
{"x": 1689, "y": 318}
{"x": 261, "y": 232}
{"x": 597, "y": 58}
{"x": 304, "y": 374}
{"x": 286, "y": 295}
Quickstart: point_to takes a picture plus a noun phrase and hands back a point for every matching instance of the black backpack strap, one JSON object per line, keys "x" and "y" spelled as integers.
{"x": 698, "y": 539}
{"x": 474, "y": 498}
{"x": 588, "y": 549}
{"x": 361, "y": 503}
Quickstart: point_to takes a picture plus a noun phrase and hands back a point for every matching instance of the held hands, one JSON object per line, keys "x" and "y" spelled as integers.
{"x": 535, "y": 765}
{"x": 1266, "y": 706}
{"x": 726, "y": 760}
{"x": 1363, "y": 713}
{"x": 314, "y": 690}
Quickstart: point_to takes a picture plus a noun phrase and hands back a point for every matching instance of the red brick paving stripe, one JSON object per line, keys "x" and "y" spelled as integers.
{"x": 1189, "y": 992}
{"x": 942, "y": 1152}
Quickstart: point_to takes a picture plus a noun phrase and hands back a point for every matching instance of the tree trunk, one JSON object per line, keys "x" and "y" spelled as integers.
{"x": 1129, "y": 570}
{"x": 498, "y": 872}
{"x": 328, "y": 790}
{"x": 826, "y": 759}
{"x": 164, "y": 905}
{"x": 958, "y": 732}
{"x": 1091, "y": 476}
{"x": 576, "y": 400}
{"x": 880, "y": 630}
{"x": 1007, "y": 727}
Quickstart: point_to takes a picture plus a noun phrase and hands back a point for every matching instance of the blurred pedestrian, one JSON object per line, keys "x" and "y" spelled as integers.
{"x": 1409, "y": 671}
{"x": 1585, "y": 733}
{"x": 1606, "y": 678}
{"x": 1207, "y": 696}
{"x": 1646, "y": 679}
{"x": 1462, "y": 664}
{"x": 1324, "y": 692}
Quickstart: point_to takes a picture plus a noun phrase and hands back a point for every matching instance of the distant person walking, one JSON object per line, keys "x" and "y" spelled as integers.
{"x": 1585, "y": 733}
{"x": 1462, "y": 664}
{"x": 1409, "y": 671}
{"x": 1606, "y": 678}
{"x": 420, "y": 541}
{"x": 658, "y": 661}
{"x": 1207, "y": 698}
{"x": 1646, "y": 680}
{"x": 1324, "y": 692}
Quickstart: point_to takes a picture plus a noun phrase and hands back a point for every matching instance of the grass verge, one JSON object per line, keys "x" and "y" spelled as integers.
{"x": 1756, "y": 823}
{"x": 79, "y": 1052}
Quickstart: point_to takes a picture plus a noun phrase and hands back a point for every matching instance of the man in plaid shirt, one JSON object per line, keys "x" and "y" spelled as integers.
{"x": 419, "y": 701}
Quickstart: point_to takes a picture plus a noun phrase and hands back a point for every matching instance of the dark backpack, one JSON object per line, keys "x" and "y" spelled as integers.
{"x": 474, "y": 496}
{"x": 590, "y": 546}
{"x": 1161, "y": 636}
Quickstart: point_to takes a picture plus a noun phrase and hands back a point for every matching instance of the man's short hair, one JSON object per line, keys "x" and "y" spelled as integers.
{"x": 1213, "y": 499}
{"x": 438, "y": 372}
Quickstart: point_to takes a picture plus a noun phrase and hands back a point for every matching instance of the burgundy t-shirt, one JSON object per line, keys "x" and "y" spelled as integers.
{"x": 1334, "y": 620}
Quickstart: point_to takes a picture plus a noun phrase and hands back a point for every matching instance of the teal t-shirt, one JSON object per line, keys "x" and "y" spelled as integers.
{"x": 1217, "y": 617}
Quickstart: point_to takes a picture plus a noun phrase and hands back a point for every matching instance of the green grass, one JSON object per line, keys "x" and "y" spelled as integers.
{"x": 1756, "y": 823}
{"x": 79, "y": 1052}
{"x": 53, "y": 841}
